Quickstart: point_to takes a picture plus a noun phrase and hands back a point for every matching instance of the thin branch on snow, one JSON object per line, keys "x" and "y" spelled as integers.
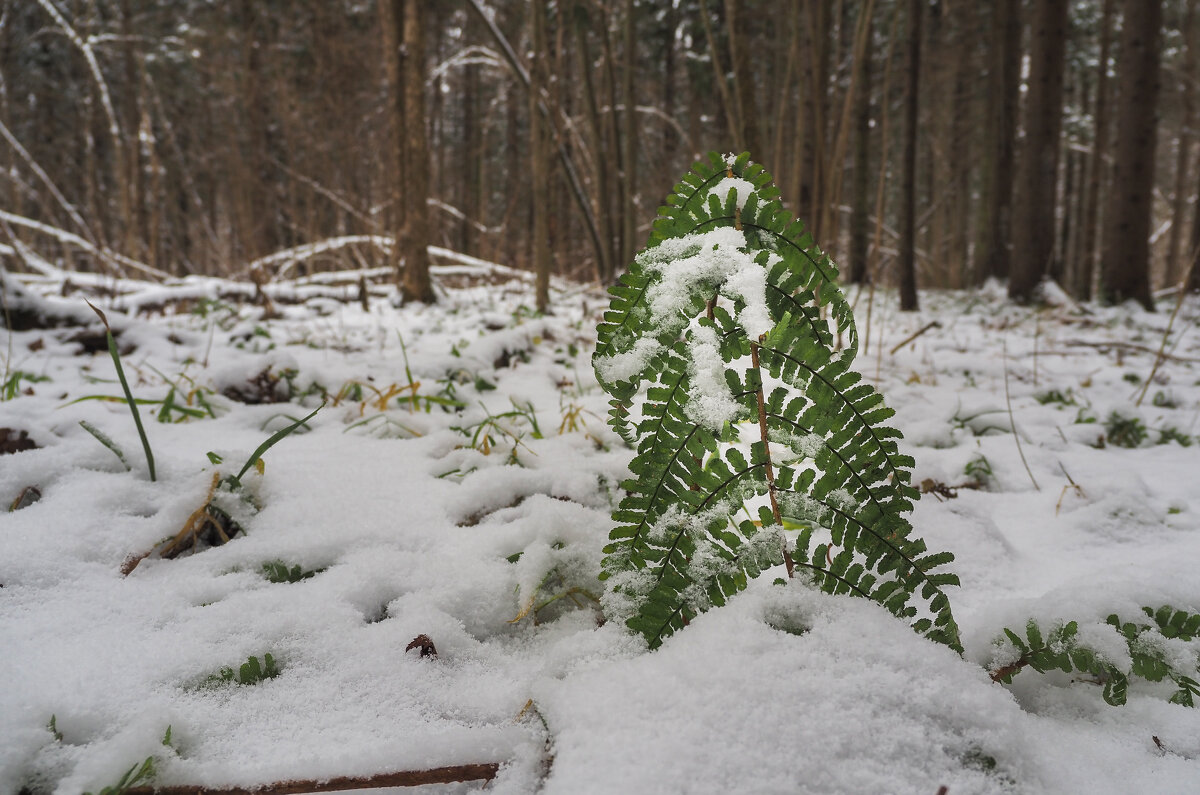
{"x": 112, "y": 258}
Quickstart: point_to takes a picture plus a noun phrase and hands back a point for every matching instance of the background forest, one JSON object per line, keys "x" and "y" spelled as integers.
{"x": 959, "y": 140}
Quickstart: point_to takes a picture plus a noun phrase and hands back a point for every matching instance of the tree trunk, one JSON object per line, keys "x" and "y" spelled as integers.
{"x": 258, "y": 236}
{"x": 1033, "y": 222}
{"x": 1000, "y": 132}
{"x": 908, "y": 193}
{"x": 1098, "y": 163}
{"x": 608, "y": 256}
{"x": 738, "y": 24}
{"x": 1193, "y": 284}
{"x": 1125, "y": 264}
{"x": 861, "y": 203}
{"x": 628, "y": 215}
{"x": 414, "y": 242}
{"x": 538, "y": 149}
{"x": 1178, "y": 261}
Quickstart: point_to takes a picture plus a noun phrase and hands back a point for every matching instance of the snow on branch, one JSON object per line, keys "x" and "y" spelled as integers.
{"x": 112, "y": 258}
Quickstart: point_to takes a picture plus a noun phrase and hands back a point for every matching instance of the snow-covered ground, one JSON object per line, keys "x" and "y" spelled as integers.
{"x": 482, "y": 527}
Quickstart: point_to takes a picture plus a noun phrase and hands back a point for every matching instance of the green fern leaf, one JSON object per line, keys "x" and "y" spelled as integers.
{"x": 727, "y": 348}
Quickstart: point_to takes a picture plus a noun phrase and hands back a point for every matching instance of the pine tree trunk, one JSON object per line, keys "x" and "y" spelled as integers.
{"x": 1034, "y": 200}
{"x": 1125, "y": 263}
{"x": 908, "y": 193}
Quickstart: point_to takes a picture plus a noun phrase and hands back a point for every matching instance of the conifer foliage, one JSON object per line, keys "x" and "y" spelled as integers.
{"x": 727, "y": 348}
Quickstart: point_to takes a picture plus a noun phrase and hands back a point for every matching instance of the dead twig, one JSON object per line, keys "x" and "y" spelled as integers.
{"x": 200, "y": 521}
{"x": 405, "y": 778}
{"x": 1162, "y": 346}
{"x": 1013, "y": 423}
{"x": 1129, "y": 346}
{"x": 930, "y": 325}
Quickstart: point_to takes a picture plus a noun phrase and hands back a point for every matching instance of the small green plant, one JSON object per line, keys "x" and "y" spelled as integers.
{"x": 1056, "y": 396}
{"x": 235, "y": 481}
{"x": 250, "y": 672}
{"x": 1124, "y": 431}
{"x": 977, "y": 424}
{"x": 277, "y": 571}
{"x": 52, "y": 727}
{"x": 1151, "y": 656}
{"x": 1164, "y": 400}
{"x": 195, "y": 400}
{"x": 1132, "y": 378}
{"x": 485, "y": 434}
{"x": 210, "y": 522}
{"x": 554, "y": 588}
{"x": 1172, "y": 434}
{"x": 732, "y": 318}
{"x": 11, "y": 388}
{"x": 138, "y": 774}
{"x": 979, "y": 469}
{"x": 137, "y": 418}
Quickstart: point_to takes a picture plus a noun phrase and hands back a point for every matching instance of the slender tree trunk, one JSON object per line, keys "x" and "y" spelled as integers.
{"x": 628, "y": 214}
{"x": 1098, "y": 165}
{"x": 472, "y": 159}
{"x": 538, "y": 149}
{"x": 1193, "y": 284}
{"x": 414, "y": 243}
{"x": 257, "y": 211}
{"x": 908, "y": 193}
{"x": 861, "y": 206}
{"x": 1176, "y": 262}
{"x": 616, "y": 150}
{"x": 1033, "y": 222}
{"x": 670, "y": 137}
{"x": 599, "y": 146}
{"x": 1125, "y": 264}
{"x": 965, "y": 70}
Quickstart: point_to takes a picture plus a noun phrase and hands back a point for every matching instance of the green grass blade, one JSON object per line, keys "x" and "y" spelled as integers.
{"x": 104, "y": 439}
{"x": 137, "y": 418}
{"x": 275, "y": 437}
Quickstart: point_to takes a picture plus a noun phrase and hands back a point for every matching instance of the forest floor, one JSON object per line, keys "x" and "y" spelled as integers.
{"x": 458, "y": 485}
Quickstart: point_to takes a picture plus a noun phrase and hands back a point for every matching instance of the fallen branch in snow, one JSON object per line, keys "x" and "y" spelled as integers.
{"x": 930, "y": 325}
{"x": 405, "y": 778}
{"x": 1128, "y": 346}
{"x": 118, "y": 262}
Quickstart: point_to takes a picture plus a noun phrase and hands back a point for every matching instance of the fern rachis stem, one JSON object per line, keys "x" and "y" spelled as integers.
{"x": 769, "y": 469}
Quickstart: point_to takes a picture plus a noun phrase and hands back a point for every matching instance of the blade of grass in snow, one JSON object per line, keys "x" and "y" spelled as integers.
{"x": 104, "y": 439}
{"x": 265, "y": 446}
{"x": 137, "y": 419}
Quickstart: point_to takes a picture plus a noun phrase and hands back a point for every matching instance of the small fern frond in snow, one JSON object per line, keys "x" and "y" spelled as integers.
{"x": 727, "y": 349}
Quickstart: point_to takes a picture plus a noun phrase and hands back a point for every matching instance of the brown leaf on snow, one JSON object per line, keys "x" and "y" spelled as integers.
{"x": 423, "y": 643}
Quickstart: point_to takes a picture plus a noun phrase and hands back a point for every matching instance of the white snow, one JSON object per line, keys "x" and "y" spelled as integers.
{"x": 709, "y": 402}
{"x": 742, "y": 189}
{"x": 418, "y": 532}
